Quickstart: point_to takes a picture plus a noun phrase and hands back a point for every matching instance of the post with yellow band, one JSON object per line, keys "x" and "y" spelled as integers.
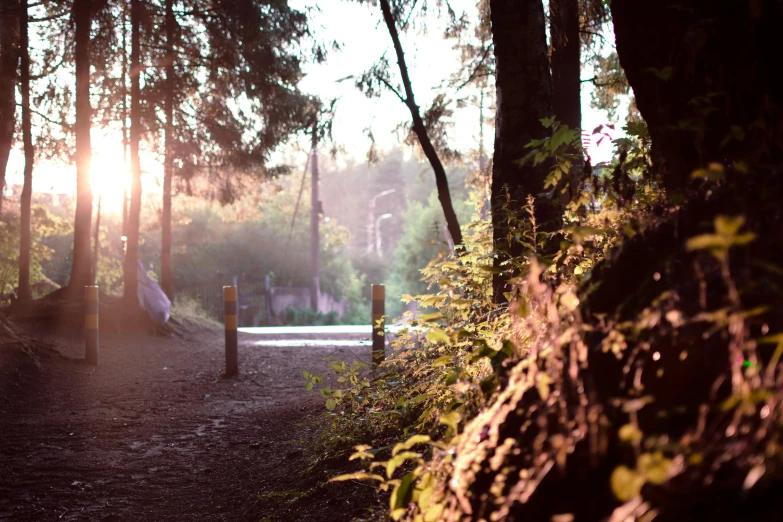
{"x": 230, "y": 310}
{"x": 378, "y": 330}
{"x": 91, "y": 324}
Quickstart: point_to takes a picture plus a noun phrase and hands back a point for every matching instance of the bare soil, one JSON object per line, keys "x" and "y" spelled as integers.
{"x": 154, "y": 432}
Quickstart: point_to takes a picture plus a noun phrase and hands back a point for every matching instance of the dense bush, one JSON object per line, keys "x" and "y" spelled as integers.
{"x": 612, "y": 378}
{"x": 307, "y": 317}
{"x": 45, "y": 225}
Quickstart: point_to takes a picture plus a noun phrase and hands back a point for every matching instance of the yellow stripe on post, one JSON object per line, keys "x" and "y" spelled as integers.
{"x": 378, "y": 327}
{"x": 91, "y": 306}
{"x": 91, "y": 322}
{"x": 230, "y": 320}
{"x": 91, "y": 293}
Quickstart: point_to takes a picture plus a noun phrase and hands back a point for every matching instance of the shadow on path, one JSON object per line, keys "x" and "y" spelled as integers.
{"x": 154, "y": 432}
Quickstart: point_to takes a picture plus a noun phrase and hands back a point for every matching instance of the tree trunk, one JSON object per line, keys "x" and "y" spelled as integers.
{"x": 80, "y": 270}
{"x": 708, "y": 86}
{"x": 9, "y": 59}
{"x": 96, "y": 253}
{"x": 524, "y": 97}
{"x": 29, "y": 157}
{"x": 565, "y": 62}
{"x": 131, "y": 277}
{"x": 315, "y": 211}
{"x": 166, "y": 279}
{"x": 124, "y": 119}
{"x": 441, "y": 181}
{"x": 125, "y": 205}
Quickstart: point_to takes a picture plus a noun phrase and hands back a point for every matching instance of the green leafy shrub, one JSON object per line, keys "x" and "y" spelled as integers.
{"x": 190, "y": 309}
{"x": 44, "y": 225}
{"x": 492, "y": 402}
{"x": 307, "y": 317}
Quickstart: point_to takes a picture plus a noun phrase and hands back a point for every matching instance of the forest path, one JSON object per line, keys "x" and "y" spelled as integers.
{"x": 155, "y": 433}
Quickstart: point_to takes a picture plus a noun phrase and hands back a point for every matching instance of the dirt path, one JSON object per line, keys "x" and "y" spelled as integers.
{"x": 155, "y": 433}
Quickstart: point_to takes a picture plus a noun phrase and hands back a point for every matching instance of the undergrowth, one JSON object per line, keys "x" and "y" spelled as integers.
{"x": 492, "y": 412}
{"x": 190, "y": 309}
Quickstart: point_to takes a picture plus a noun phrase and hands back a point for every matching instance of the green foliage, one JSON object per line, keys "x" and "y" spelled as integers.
{"x": 185, "y": 307}
{"x": 307, "y": 317}
{"x": 610, "y": 84}
{"x": 464, "y": 364}
{"x": 44, "y": 225}
{"x": 357, "y": 313}
{"x": 422, "y": 240}
{"x": 251, "y": 239}
{"x": 725, "y": 237}
{"x": 248, "y": 239}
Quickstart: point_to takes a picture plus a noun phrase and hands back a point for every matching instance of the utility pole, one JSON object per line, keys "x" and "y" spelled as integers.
{"x": 371, "y": 217}
{"x": 482, "y": 160}
{"x": 315, "y": 210}
{"x": 378, "y": 249}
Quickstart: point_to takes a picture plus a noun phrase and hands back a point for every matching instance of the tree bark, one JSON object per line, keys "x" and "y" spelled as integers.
{"x": 524, "y": 97}
{"x": 315, "y": 218}
{"x": 29, "y": 158}
{"x": 708, "y": 86}
{"x": 167, "y": 282}
{"x": 441, "y": 180}
{"x": 80, "y": 270}
{"x": 96, "y": 253}
{"x": 124, "y": 118}
{"x": 131, "y": 277}
{"x": 9, "y": 60}
{"x": 565, "y": 62}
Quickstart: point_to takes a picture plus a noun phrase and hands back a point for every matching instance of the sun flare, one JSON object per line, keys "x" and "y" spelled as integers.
{"x": 110, "y": 172}
{"x": 109, "y": 177}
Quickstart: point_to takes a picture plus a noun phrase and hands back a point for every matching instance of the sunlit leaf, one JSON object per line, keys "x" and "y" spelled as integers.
{"x": 451, "y": 420}
{"x": 436, "y": 335}
{"x": 705, "y": 242}
{"x": 399, "y": 459}
{"x": 401, "y": 496}
{"x": 441, "y": 361}
{"x": 408, "y": 444}
{"x": 357, "y": 476}
{"x": 630, "y": 434}
{"x": 728, "y": 225}
{"x": 430, "y": 317}
{"x": 654, "y": 467}
{"x": 626, "y": 483}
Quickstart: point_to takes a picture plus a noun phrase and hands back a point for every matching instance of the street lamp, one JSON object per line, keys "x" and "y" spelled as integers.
{"x": 371, "y": 216}
{"x": 378, "y": 234}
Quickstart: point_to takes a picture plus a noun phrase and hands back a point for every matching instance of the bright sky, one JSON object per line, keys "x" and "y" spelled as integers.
{"x": 431, "y": 61}
{"x": 363, "y": 39}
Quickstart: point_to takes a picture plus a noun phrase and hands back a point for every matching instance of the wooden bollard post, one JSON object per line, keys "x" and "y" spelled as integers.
{"x": 378, "y": 330}
{"x": 230, "y": 310}
{"x": 91, "y": 324}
